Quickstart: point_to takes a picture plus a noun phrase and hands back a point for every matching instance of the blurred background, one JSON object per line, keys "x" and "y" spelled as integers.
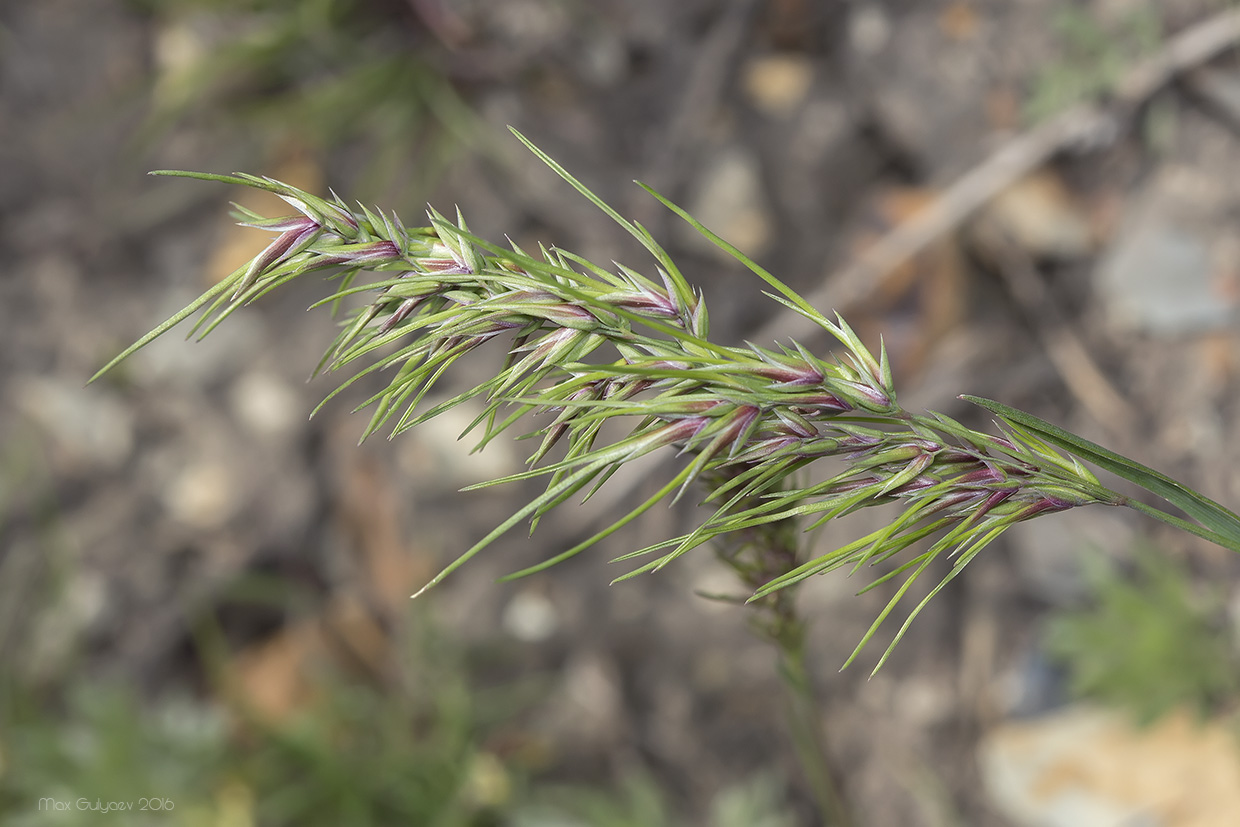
{"x": 204, "y": 593}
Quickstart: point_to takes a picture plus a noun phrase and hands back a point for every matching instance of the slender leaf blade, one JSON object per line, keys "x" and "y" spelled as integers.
{"x": 1218, "y": 524}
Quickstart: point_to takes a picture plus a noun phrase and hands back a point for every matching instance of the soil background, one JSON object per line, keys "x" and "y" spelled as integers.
{"x": 804, "y": 132}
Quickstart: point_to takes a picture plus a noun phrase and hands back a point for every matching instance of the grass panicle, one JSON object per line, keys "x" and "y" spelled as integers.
{"x": 587, "y": 345}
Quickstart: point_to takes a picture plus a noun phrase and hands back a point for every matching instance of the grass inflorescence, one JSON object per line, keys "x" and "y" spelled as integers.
{"x": 587, "y": 345}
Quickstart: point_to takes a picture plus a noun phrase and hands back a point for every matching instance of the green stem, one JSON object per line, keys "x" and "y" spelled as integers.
{"x": 759, "y": 555}
{"x": 804, "y": 717}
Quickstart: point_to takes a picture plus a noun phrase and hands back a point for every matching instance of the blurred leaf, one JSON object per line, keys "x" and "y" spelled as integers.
{"x": 1149, "y": 644}
{"x": 1092, "y": 58}
{"x": 350, "y": 755}
{"x": 103, "y": 748}
{"x": 757, "y": 802}
{"x": 319, "y": 73}
{"x": 638, "y": 803}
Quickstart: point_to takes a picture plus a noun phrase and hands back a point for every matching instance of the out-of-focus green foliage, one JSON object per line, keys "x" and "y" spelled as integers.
{"x": 1093, "y": 57}
{"x": 638, "y": 803}
{"x": 756, "y": 802}
{"x": 1148, "y": 643}
{"x": 410, "y": 753}
{"x": 357, "y": 757}
{"x": 318, "y": 73}
{"x": 361, "y": 758}
{"x": 65, "y": 765}
{"x": 405, "y": 750}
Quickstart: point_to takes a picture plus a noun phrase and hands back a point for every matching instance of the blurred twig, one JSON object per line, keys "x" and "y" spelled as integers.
{"x": 702, "y": 90}
{"x": 1071, "y": 359}
{"x": 1010, "y": 162}
{"x": 448, "y": 26}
